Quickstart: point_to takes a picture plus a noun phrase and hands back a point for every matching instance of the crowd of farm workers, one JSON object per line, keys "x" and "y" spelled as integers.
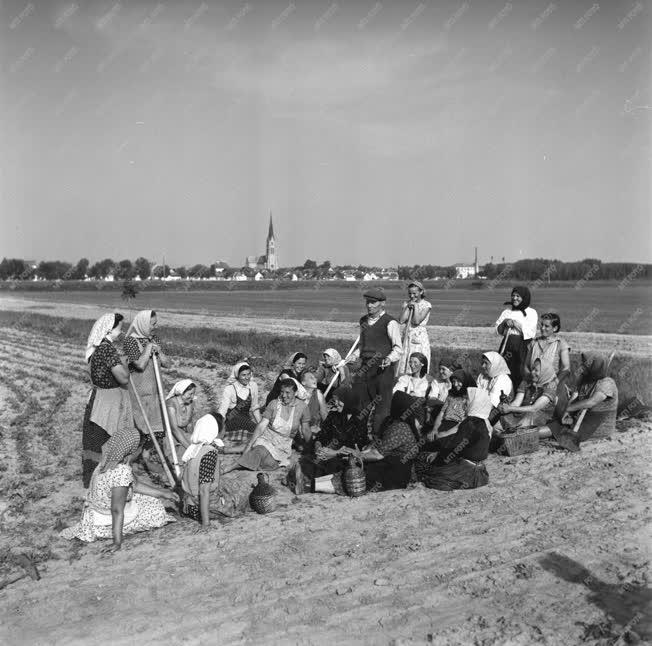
{"x": 382, "y": 408}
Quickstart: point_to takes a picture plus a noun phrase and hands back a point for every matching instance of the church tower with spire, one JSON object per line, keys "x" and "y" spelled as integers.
{"x": 271, "y": 261}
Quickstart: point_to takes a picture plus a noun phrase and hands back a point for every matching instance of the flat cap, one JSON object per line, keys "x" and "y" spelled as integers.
{"x": 375, "y": 294}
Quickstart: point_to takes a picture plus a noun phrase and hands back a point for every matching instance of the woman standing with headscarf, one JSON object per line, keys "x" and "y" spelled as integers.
{"x": 139, "y": 345}
{"x": 109, "y": 407}
{"x": 293, "y": 369}
{"x": 117, "y": 503}
{"x": 328, "y": 368}
{"x": 459, "y": 463}
{"x": 240, "y": 407}
{"x": 518, "y": 326}
{"x": 414, "y": 316}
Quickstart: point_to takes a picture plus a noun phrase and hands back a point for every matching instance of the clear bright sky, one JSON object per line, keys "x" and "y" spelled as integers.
{"x": 376, "y": 132}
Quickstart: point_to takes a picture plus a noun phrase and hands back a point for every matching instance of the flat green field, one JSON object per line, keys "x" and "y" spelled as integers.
{"x": 588, "y": 309}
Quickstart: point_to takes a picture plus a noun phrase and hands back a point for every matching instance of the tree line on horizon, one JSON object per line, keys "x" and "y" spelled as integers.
{"x": 531, "y": 269}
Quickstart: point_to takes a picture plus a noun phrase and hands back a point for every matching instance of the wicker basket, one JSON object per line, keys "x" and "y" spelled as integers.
{"x": 263, "y": 496}
{"x": 522, "y": 441}
{"x": 355, "y": 482}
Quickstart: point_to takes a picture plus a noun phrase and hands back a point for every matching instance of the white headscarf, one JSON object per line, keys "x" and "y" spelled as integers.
{"x": 179, "y": 388}
{"x": 233, "y": 377}
{"x": 334, "y": 355}
{"x": 205, "y": 432}
{"x": 497, "y": 364}
{"x": 100, "y": 329}
{"x": 141, "y": 326}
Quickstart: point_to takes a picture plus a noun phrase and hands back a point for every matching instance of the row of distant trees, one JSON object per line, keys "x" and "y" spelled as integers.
{"x": 527, "y": 270}
{"x": 535, "y": 269}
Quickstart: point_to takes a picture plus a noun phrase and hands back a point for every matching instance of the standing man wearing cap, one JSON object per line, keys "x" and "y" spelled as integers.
{"x": 379, "y": 350}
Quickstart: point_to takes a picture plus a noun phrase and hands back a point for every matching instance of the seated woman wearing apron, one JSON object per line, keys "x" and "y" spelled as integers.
{"x": 271, "y": 444}
{"x": 240, "y": 408}
{"x": 180, "y": 403}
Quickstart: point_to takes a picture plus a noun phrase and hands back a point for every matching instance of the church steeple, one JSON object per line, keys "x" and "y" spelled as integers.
{"x": 270, "y": 234}
{"x": 271, "y": 261}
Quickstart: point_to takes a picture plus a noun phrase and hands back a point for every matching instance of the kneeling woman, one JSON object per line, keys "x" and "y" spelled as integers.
{"x": 117, "y": 503}
{"x": 240, "y": 408}
{"x": 388, "y": 460}
{"x": 201, "y": 469}
{"x": 459, "y": 462}
{"x": 271, "y": 444}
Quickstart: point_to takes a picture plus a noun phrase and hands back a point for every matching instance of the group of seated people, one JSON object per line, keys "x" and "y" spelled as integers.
{"x": 439, "y": 430}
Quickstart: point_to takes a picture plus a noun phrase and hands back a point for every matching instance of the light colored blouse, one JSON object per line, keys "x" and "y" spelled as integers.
{"x": 528, "y": 323}
{"x": 415, "y": 386}
{"x": 231, "y": 393}
{"x": 495, "y": 386}
{"x": 547, "y": 351}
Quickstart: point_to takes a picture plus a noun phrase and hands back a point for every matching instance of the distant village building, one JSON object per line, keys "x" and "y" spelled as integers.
{"x": 220, "y": 266}
{"x": 270, "y": 259}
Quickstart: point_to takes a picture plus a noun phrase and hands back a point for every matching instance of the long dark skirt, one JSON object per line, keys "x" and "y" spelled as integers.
{"x": 459, "y": 474}
{"x": 93, "y": 439}
{"x": 514, "y": 355}
{"x": 390, "y": 473}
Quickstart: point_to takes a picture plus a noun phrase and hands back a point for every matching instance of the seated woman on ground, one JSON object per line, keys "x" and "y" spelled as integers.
{"x": 200, "y": 469}
{"x": 271, "y": 444}
{"x": 453, "y": 411}
{"x": 443, "y": 381}
{"x": 534, "y": 404}
{"x": 459, "y": 463}
{"x": 181, "y": 409}
{"x": 317, "y": 406}
{"x": 550, "y": 348}
{"x": 293, "y": 368}
{"x": 388, "y": 460}
{"x": 117, "y": 502}
{"x": 598, "y": 396}
{"x": 328, "y": 368}
{"x": 495, "y": 380}
{"x": 416, "y": 382}
{"x": 240, "y": 407}
{"x": 344, "y": 427}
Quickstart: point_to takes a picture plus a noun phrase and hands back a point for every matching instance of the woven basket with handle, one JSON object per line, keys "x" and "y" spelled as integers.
{"x": 355, "y": 482}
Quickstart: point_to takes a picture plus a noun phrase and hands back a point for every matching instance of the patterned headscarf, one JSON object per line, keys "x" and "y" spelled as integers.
{"x": 100, "y": 329}
{"x": 524, "y": 293}
{"x": 121, "y": 444}
{"x": 334, "y": 355}
{"x": 497, "y": 365}
{"x": 141, "y": 326}
{"x": 179, "y": 388}
{"x": 205, "y": 432}
{"x": 418, "y": 284}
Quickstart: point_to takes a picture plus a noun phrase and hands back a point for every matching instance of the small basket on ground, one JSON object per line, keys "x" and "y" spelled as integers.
{"x": 263, "y": 496}
{"x": 521, "y": 441}
{"x": 355, "y": 482}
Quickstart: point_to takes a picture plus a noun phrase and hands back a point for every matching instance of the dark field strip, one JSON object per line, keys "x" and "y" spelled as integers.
{"x": 603, "y": 308}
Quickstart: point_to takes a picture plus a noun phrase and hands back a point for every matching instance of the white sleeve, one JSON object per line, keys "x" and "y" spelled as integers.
{"x": 501, "y": 318}
{"x": 228, "y": 400}
{"x": 401, "y": 384}
{"x": 529, "y": 324}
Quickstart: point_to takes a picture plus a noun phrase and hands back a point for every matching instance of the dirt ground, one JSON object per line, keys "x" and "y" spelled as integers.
{"x": 555, "y": 550}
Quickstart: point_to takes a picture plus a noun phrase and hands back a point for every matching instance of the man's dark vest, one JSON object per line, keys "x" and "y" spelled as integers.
{"x": 374, "y": 340}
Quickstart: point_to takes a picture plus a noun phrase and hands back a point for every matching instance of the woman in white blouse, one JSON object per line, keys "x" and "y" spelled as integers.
{"x": 494, "y": 377}
{"x": 518, "y": 326}
{"x": 240, "y": 407}
{"x": 416, "y": 382}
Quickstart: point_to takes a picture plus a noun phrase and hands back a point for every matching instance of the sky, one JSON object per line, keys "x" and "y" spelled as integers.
{"x": 376, "y": 133}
